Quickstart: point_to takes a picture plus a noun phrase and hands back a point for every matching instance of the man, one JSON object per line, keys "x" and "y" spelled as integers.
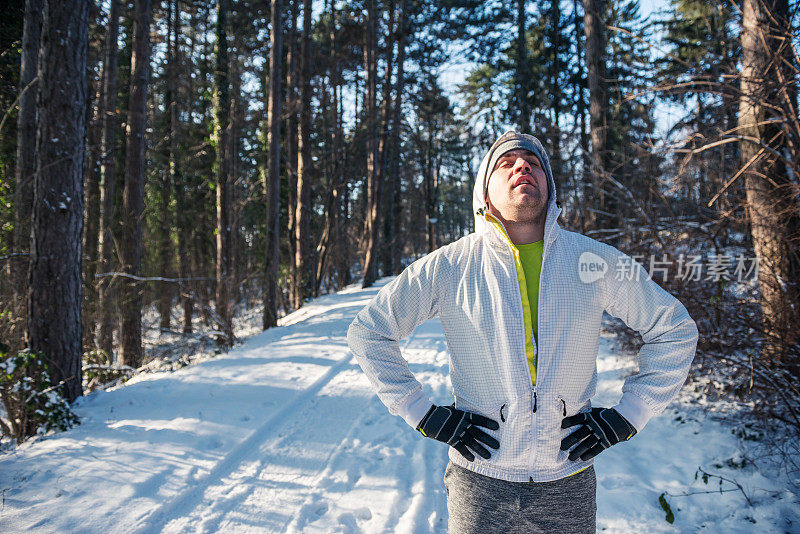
{"x": 521, "y": 301}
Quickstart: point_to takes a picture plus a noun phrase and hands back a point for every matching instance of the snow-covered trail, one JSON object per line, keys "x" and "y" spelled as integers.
{"x": 331, "y": 451}
{"x": 284, "y": 434}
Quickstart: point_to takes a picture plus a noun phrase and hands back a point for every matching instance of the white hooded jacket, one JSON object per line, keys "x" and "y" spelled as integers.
{"x": 472, "y": 286}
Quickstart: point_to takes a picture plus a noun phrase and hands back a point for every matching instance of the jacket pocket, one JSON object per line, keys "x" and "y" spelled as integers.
{"x": 497, "y": 410}
{"x": 566, "y": 408}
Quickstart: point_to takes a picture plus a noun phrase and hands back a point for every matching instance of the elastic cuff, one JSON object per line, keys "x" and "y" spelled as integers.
{"x": 414, "y": 408}
{"x": 635, "y": 410}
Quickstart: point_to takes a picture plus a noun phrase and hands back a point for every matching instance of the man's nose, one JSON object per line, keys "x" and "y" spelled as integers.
{"x": 522, "y": 166}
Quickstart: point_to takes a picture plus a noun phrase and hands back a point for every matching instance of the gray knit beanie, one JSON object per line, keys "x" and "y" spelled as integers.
{"x": 512, "y": 140}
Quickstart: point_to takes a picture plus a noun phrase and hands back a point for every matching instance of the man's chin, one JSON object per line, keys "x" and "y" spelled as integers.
{"x": 531, "y": 213}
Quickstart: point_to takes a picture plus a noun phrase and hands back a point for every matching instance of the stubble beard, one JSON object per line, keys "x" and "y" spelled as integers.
{"x": 532, "y": 212}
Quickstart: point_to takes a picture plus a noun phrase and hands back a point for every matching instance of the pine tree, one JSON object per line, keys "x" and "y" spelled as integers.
{"x": 133, "y": 195}
{"x": 223, "y": 186}
{"x": 108, "y": 171}
{"x": 767, "y": 108}
{"x": 302, "y": 230}
{"x": 271, "y": 168}
{"x": 54, "y": 295}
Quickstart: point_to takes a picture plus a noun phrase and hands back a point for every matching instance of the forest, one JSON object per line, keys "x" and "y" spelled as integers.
{"x": 195, "y": 160}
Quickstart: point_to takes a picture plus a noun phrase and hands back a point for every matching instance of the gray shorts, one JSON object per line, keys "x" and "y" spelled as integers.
{"x": 477, "y": 503}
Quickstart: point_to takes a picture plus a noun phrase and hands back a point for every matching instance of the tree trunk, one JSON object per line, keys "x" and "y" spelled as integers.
{"x": 396, "y": 206}
{"x": 302, "y": 235}
{"x": 373, "y": 190}
{"x": 768, "y": 91}
{"x": 580, "y": 105}
{"x": 343, "y": 248}
{"x": 555, "y": 134}
{"x": 165, "y": 189}
{"x": 292, "y": 75}
{"x": 26, "y": 143}
{"x": 133, "y": 193}
{"x": 222, "y": 106}
{"x": 108, "y": 172}
{"x": 523, "y": 82}
{"x": 26, "y": 124}
{"x": 181, "y": 220}
{"x": 54, "y": 295}
{"x": 91, "y": 215}
{"x": 384, "y": 146}
{"x": 598, "y": 101}
{"x": 233, "y": 178}
{"x": 272, "y": 172}
{"x": 431, "y": 183}
{"x": 328, "y": 239}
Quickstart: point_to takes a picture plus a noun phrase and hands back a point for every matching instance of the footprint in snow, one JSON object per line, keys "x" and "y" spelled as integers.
{"x": 612, "y": 482}
{"x": 353, "y": 475}
{"x": 310, "y": 513}
{"x": 347, "y": 524}
{"x": 210, "y": 443}
{"x": 364, "y": 513}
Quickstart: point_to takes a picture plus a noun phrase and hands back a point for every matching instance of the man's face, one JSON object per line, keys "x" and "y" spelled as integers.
{"x": 518, "y": 188}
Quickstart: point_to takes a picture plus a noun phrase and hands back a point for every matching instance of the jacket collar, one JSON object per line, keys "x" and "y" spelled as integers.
{"x": 497, "y": 234}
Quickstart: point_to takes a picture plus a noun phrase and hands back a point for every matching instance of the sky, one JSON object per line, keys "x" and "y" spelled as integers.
{"x": 455, "y": 71}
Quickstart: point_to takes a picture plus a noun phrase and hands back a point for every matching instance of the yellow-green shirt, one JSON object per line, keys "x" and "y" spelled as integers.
{"x": 528, "y": 270}
{"x": 530, "y": 256}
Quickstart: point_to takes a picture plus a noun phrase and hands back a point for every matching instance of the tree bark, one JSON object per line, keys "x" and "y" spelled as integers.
{"x": 166, "y": 186}
{"x": 371, "y": 222}
{"x": 598, "y": 99}
{"x": 523, "y": 82}
{"x": 384, "y": 145}
{"x": 91, "y": 215}
{"x": 54, "y": 295}
{"x": 430, "y": 175}
{"x": 235, "y": 206}
{"x": 108, "y": 172}
{"x": 302, "y": 235}
{"x": 221, "y": 131}
{"x": 26, "y": 144}
{"x": 272, "y": 176}
{"x": 182, "y": 222}
{"x": 396, "y": 205}
{"x": 580, "y": 105}
{"x": 329, "y": 238}
{"x": 342, "y": 206}
{"x": 292, "y": 76}
{"x": 26, "y": 124}
{"x": 768, "y": 92}
{"x": 133, "y": 192}
{"x": 555, "y": 134}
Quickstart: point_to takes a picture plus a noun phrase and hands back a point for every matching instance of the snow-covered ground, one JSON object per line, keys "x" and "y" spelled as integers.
{"x": 283, "y": 434}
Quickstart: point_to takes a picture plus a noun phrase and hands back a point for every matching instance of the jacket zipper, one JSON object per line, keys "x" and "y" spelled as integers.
{"x": 534, "y": 400}
{"x": 537, "y": 348}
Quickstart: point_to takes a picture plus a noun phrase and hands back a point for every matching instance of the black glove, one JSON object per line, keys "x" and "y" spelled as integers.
{"x": 459, "y": 429}
{"x": 601, "y": 428}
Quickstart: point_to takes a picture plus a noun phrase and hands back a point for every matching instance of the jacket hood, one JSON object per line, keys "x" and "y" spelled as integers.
{"x": 510, "y": 140}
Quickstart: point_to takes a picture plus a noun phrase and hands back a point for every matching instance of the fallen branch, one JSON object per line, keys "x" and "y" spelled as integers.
{"x": 152, "y": 278}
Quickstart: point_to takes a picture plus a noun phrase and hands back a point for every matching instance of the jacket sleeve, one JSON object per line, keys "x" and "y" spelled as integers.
{"x": 669, "y": 334}
{"x": 374, "y": 335}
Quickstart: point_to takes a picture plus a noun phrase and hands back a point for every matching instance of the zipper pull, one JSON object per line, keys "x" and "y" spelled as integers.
{"x": 565, "y": 407}
{"x": 534, "y": 400}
